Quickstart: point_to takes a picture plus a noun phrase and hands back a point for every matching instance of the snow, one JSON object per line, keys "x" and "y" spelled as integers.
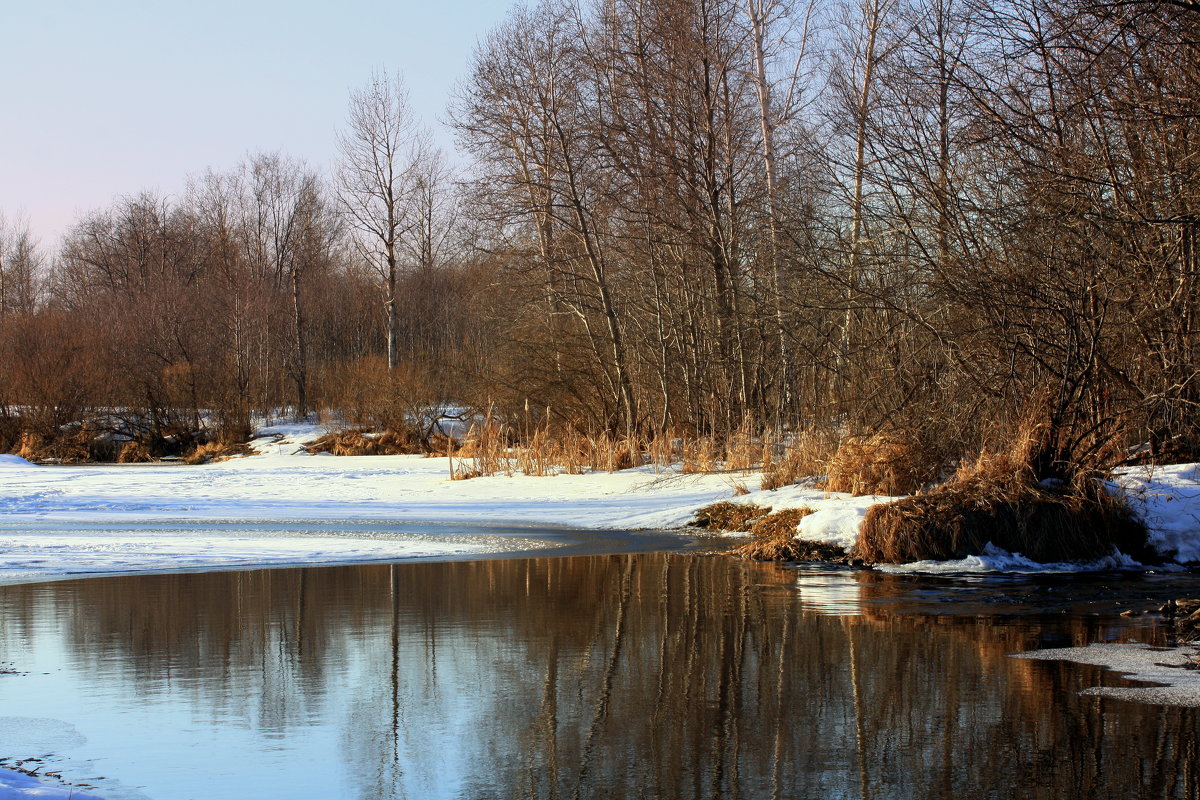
{"x": 1173, "y": 669}
{"x": 1168, "y": 499}
{"x": 837, "y": 519}
{"x": 996, "y": 559}
{"x": 7, "y": 460}
{"x": 44, "y": 552}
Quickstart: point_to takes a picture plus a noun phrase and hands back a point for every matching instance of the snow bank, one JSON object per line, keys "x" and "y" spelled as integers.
{"x": 837, "y": 519}
{"x": 995, "y": 559}
{"x": 1168, "y": 500}
{"x": 284, "y": 483}
{"x": 1173, "y": 669}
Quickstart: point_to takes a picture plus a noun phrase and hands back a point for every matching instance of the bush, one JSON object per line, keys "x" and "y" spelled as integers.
{"x": 992, "y": 502}
{"x": 364, "y": 442}
{"x": 728, "y": 516}
{"x": 133, "y": 452}
{"x": 218, "y": 451}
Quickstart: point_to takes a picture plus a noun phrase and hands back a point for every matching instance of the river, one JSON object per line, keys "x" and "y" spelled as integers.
{"x": 647, "y": 675}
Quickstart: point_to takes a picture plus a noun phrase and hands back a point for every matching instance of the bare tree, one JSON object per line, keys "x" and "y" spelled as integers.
{"x": 20, "y": 263}
{"x": 382, "y": 150}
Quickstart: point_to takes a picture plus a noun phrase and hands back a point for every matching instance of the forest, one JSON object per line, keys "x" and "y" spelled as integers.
{"x": 928, "y": 221}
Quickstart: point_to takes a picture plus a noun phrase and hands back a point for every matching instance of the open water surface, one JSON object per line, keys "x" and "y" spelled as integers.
{"x": 648, "y": 675}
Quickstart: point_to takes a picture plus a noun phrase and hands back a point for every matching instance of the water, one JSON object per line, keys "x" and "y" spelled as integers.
{"x": 606, "y": 676}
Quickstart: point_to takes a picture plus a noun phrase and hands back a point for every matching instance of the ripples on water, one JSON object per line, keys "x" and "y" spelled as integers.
{"x": 650, "y": 676}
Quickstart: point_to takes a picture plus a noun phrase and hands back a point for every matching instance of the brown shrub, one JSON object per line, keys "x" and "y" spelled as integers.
{"x": 779, "y": 524}
{"x": 218, "y": 451}
{"x": 74, "y": 447}
{"x": 884, "y": 463}
{"x": 726, "y": 516}
{"x": 993, "y": 501}
{"x": 364, "y": 442}
{"x": 133, "y": 452}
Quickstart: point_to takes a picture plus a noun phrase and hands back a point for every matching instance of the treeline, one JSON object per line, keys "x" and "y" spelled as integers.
{"x": 177, "y": 320}
{"x": 928, "y": 219}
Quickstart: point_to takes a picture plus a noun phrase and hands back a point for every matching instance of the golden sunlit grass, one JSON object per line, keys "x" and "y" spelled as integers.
{"x": 726, "y": 516}
{"x": 134, "y": 452}
{"x": 882, "y": 463}
{"x": 218, "y": 451}
{"x": 364, "y": 442}
{"x": 997, "y": 498}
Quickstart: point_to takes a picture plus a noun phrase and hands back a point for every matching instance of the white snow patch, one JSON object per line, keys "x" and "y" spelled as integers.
{"x": 1174, "y": 669}
{"x": 837, "y": 519}
{"x": 1168, "y": 500}
{"x": 996, "y": 559}
{"x": 8, "y": 460}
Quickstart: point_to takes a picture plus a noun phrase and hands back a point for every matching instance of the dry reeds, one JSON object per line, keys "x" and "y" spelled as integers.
{"x": 883, "y": 463}
{"x": 364, "y": 442}
{"x": 726, "y": 516}
{"x": 779, "y": 524}
{"x": 996, "y": 500}
{"x": 803, "y": 454}
{"x": 492, "y": 447}
{"x": 134, "y": 452}
{"x": 775, "y": 540}
{"x": 218, "y": 451}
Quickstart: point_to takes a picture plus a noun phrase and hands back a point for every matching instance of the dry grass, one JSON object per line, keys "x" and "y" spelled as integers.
{"x": 726, "y": 516}
{"x": 134, "y": 452}
{"x": 883, "y": 463}
{"x": 779, "y": 524}
{"x": 804, "y": 454}
{"x": 995, "y": 499}
{"x": 364, "y": 442}
{"x": 700, "y": 455}
{"x": 218, "y": 451}
{"x": 496, "y": 448}
{"x": 775, "y": 540}
{"x": 74, "y": 447}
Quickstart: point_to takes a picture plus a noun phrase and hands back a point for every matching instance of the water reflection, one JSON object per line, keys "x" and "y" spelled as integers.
{"x": 655, "y": 676}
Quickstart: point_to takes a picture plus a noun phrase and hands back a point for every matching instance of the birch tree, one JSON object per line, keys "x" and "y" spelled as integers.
{"x": 381, "y": 149}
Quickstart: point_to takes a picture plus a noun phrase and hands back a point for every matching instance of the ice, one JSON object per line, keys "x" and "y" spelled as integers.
{"x": 1173, "y": 670}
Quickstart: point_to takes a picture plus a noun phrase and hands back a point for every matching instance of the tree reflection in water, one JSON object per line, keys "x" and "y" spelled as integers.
{"x": 650, "y": 676}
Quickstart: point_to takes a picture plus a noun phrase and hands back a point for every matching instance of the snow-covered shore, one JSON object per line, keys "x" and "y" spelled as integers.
{"x": 57, "y": 520}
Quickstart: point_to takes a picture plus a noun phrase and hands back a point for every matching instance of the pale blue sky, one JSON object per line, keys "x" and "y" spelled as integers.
{"x": 99, "y": 99}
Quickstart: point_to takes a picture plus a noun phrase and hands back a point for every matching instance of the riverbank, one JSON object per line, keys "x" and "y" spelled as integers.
{"x": 283, "y": 483}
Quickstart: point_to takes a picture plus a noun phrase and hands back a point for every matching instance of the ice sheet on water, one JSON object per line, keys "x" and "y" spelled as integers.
{"x": 1173, "y": 670}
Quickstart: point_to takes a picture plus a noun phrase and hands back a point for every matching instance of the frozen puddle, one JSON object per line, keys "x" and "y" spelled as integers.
{"x": 1174, "y": 669}
{"x": 35, "y": 552}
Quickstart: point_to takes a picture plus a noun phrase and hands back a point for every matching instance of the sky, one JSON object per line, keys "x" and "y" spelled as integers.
{"x": 100, "y": 99}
